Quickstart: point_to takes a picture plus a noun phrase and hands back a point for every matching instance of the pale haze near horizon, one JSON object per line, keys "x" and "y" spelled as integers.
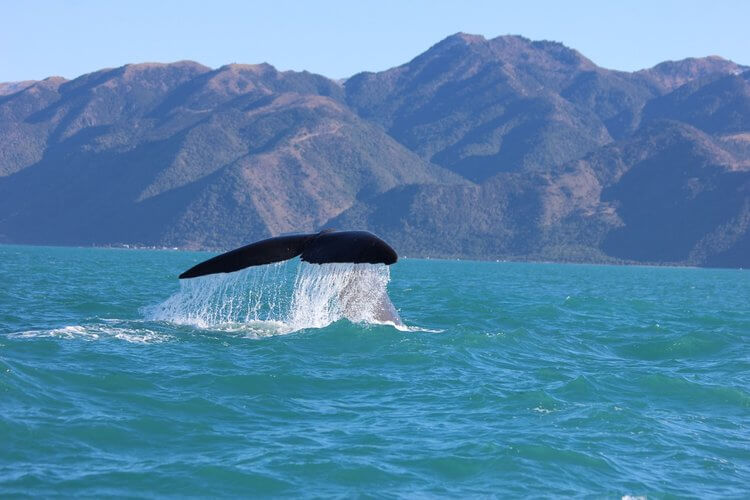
{"x": 338, "y": 39}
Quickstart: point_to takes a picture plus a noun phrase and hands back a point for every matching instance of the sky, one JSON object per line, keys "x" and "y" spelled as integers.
{"x": 40, "y": 38}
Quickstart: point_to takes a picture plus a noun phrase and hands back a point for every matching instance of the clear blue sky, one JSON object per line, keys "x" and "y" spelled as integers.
{"x": 339, "y": 38}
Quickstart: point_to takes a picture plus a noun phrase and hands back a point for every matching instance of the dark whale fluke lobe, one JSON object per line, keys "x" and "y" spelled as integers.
{"x": 357, "y": 247}
{"x": 254, "y": 254}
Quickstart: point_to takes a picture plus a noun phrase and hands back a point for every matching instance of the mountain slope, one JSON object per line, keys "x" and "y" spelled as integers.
{"x": 155, "y": 164}
{"x": 669, "y": 194}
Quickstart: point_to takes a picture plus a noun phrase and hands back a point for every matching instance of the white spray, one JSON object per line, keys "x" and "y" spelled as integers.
{"x": 277, "y": 297}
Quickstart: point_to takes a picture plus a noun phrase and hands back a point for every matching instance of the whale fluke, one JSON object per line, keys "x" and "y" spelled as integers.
{"x": 358, "y": 247}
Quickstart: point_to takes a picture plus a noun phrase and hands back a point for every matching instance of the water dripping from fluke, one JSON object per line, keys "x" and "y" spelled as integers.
{"x": 282, "y": 298}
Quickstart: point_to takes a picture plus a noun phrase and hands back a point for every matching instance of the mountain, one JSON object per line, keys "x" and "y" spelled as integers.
{"x": 479, "y": 148}
{"x": 182, "y": 155}
{"x": 479, "y": 107}
{"x": 626, "y": 199}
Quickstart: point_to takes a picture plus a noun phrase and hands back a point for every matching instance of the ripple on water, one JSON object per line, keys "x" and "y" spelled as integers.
{"x": 543, "y": 380}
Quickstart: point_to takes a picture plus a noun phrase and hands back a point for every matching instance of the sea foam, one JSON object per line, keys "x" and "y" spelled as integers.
{"x": 92, "y": 332}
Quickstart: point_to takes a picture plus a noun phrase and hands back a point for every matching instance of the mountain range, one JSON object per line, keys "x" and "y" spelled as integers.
{"x": 501, "y": 148}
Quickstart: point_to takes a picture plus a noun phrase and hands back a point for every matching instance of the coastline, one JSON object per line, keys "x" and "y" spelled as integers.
{"x": 503, "y": 259}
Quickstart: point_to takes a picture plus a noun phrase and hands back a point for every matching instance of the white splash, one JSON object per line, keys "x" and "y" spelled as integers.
{"x": 282, "y": 300}
{"x": 95, "y": 332}
{"x": 251, "y": 295}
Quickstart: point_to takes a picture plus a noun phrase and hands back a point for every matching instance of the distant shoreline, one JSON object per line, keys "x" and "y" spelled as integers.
{"x": 509, "y": 260}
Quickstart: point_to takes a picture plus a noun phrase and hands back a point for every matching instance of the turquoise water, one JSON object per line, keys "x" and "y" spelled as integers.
{"x": 508, "y": 379}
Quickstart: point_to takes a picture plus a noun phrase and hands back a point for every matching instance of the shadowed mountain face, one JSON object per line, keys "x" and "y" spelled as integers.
{"x": 692, "y": 213}
{"x": 502, "y": 148}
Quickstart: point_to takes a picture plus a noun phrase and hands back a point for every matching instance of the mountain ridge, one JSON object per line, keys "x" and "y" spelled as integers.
{"x": 477, "y": 148}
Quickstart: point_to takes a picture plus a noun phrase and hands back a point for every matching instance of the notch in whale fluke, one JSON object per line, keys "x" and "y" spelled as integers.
{"x": 358, "y": 247}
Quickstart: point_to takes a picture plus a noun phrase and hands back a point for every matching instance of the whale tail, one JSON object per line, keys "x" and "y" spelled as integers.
{"x": 358, "y": 247}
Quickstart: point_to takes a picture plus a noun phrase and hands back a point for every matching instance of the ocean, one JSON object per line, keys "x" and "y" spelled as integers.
{"x": 501, "y": 379}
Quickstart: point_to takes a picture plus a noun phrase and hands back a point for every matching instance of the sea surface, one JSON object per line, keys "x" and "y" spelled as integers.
{"x": 505, "y": 379}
